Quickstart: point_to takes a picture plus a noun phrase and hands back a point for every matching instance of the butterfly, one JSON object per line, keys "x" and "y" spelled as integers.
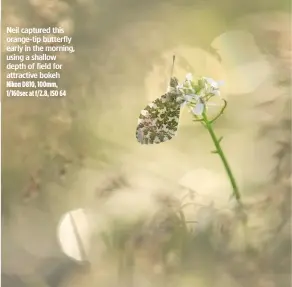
{"x": 158, "y": 121}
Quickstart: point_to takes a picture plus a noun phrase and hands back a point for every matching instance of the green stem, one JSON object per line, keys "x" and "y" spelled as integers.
{"x": 220, "y": 152}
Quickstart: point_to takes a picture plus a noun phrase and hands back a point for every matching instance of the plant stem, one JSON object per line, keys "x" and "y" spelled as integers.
{"x": 220, "y": 152}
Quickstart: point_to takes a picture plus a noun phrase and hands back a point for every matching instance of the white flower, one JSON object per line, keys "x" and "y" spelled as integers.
{"x": 213, "y": 83}
{"x": 198, "y": 109}
{"x": 212, "y": 87}
{"x": 188, "y": 99}
{"x": 186, "y": 90}
{"x": 180, "y": 86}
{"x": 193, "y": 100}
{"x": 198, "y": 101}
{"x": 189, "y": 77}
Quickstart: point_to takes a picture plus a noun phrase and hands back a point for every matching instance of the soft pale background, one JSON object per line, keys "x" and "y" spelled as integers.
{"x": 60, "y": 154}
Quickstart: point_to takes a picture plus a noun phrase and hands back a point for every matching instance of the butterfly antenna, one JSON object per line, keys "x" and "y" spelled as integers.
{"x": 172, "y": 66}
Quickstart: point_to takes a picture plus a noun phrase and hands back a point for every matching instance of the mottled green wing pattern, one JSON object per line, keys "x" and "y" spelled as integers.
{"x": 158, "y": 122}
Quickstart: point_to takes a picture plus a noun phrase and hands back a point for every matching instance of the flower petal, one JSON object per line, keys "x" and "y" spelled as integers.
{"x": 189, "y": 77}
{"x": 210, "y": 81}
{"x": 191, "y": 97}
{"x": 180, "y": 86}
{"x": 198, "y": 109}
{"x": 213, "y": 83}
{"x": 188, "y": 98}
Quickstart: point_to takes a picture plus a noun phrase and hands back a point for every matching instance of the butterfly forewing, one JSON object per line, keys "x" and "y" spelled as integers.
{"x": 158, "y": 122}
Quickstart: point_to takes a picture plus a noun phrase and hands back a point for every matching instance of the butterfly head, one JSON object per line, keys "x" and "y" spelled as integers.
{"x": 173, "y": 82}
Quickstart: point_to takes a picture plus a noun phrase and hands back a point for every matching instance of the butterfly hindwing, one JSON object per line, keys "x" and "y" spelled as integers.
{"x": 158, "y": 122}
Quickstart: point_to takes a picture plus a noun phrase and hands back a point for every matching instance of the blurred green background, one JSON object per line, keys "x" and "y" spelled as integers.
{"x": 81, "y": 152}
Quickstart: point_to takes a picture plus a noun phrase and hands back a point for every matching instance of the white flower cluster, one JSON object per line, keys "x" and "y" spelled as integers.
{"x": 197, "y": 95}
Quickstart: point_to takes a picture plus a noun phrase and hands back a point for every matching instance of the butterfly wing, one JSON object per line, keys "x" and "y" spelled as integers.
{"x": 158, "y": 122}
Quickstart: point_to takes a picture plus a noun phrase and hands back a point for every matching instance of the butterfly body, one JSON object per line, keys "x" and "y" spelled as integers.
{"x": 158, "y": 122}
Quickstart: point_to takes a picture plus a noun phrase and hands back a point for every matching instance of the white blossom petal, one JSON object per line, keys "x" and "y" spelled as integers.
{"x": 214, "y": 84}
{"x": 211, "y": 82}
{"x": 180, "y": 86}
{"x": 198, "y": 109}
{"x": 188, "y": 98}
{"x": 191, "y": 97}
{"x": 189, "y": 77}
